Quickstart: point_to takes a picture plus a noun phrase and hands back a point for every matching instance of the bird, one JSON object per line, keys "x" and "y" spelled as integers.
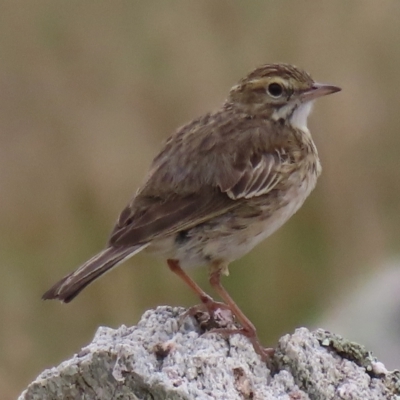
{"x": 220, "y": 185}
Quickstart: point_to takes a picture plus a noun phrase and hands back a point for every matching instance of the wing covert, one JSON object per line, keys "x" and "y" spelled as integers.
{"x": 205, "y": 169}
{"x": 258, "y": 177}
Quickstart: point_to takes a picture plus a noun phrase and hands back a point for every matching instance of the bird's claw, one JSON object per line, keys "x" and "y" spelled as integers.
{"x": 210, "y": 314}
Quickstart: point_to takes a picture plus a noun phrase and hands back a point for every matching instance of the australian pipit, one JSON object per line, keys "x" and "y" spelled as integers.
{"x": 220, "y": 185}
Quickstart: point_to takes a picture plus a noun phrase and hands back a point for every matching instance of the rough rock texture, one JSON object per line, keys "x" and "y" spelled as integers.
{"x": 169, "y": 357}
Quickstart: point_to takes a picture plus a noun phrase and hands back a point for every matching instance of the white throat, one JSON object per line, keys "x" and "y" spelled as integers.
{"x": 298, "y": 117}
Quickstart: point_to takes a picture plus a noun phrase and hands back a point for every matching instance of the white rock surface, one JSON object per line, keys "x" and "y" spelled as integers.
{"x": 165, "y": 358}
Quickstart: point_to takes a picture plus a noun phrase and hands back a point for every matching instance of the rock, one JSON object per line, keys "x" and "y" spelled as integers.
{"x": 169, "y": 357}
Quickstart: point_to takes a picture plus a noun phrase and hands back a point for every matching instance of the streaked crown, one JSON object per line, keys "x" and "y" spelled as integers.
{"x": 273, "y": 86}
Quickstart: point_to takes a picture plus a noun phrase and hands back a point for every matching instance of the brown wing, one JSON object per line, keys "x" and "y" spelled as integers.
{"x": 206, "y": 169}
{"x": 258, "y": 177}
{"x": 158, "y": 217}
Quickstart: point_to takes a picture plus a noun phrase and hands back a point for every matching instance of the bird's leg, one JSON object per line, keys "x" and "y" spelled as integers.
{"x": 207, "y": 301}
{"x": 248, "y": 329}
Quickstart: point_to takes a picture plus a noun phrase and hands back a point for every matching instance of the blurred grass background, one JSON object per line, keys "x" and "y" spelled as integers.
{"x": 88, "y": 92}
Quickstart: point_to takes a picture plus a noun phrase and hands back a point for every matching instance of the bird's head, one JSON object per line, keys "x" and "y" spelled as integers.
{"x": 280, "y": 92}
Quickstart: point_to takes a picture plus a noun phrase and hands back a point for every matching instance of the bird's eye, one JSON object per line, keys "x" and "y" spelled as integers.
{"x": 275, "y": 90}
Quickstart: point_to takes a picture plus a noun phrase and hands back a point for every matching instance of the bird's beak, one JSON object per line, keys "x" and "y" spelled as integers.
{"x": 318, "y": 90}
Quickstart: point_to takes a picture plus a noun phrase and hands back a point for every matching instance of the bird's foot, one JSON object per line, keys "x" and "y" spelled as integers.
{"x": 210, "y": 314}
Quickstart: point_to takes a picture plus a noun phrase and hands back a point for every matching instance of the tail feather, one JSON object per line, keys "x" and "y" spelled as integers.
{"x": 72, "y": 284}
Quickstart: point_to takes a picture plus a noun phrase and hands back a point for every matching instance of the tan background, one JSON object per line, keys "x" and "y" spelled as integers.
{"x": 89, "y": 90}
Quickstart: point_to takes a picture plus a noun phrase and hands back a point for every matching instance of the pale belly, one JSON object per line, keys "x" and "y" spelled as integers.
{"x": 219, "y": 240}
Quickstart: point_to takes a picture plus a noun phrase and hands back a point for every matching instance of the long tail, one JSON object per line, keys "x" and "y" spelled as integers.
{"x": 72, "y": 284}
